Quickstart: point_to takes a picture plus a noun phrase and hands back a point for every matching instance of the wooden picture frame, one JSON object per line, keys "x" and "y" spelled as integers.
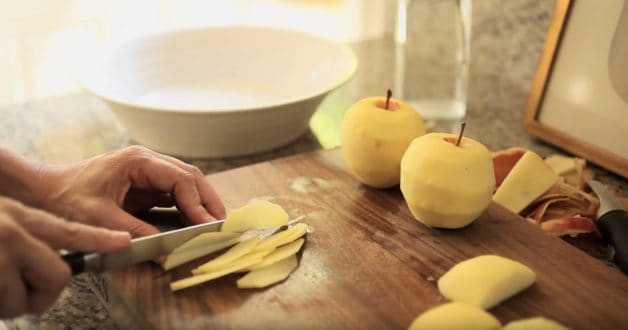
{"x": 576, "y": 101}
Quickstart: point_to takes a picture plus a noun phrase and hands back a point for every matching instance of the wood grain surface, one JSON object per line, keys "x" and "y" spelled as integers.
{"x": 368, "y": 264}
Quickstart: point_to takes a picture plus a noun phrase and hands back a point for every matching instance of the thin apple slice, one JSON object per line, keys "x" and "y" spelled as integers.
{"x": 269, "y": 275}
{"x": 179, "y": 258}
{"x": 256, "y": 214}
{"x": 240, "y": 264}
{"x": 257, "y": 254}
{"x": 204, "y": 240}
{"x": 279, "y": 254}
{"x": 283, "y": 237}
{"x": 260, "y": 254}
{"x": 231, "y": 255}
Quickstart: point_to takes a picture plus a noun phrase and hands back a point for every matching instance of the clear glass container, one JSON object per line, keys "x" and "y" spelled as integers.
{"x": 432, "y": 49}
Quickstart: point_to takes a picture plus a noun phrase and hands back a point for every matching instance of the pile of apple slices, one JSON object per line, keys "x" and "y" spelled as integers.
{"x": 267, "y": 255}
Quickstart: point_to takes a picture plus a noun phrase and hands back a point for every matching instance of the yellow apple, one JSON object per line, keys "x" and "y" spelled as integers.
{"x": 444, "y": 184}
{"x": 373, "y": 137}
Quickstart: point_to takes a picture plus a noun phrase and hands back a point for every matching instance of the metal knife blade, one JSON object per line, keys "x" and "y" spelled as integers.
{"x": 612, "y": 222}
{"x": 149, "y": 247}
{"x": 141, "y": 249}
{"x": 607, "y": 201}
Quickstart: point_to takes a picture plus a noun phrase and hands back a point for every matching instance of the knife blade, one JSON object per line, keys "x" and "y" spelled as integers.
{"x": 141, "y": 249}
{"x": 612, "y": 221}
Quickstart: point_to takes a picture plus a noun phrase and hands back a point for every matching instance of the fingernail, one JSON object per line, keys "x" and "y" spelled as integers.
{"x": 122, "y": 234}
{"x": 222, "y": 215}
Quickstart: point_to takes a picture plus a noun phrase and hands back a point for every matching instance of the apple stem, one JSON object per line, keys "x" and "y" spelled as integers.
{"x": 388, "y": 95}
{"x": 462, "y": 126}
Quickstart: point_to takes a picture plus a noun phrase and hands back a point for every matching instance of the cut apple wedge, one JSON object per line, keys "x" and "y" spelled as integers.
{"x": 561, "y": 164}
{"x": 256, "y": 214}
{"x": 231, "y": 255}
{"x": 534, "y": 323}
{"x": 269, "y": 275}
{"x": 455, "y": 316}
{"x": 279, "y": 254}
{"x": 227, "y": 269}
{"x": 528, "y": 179}
{"x": 485, "y": 281}
{"x": 179, "y": 258}
{"x": 504, "y": 161}
{"x": 282, "y": 238}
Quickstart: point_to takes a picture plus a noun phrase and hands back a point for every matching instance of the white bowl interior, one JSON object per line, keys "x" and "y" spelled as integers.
{"x": 220, "y": 69}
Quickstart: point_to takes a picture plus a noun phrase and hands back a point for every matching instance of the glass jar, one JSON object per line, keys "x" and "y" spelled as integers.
{"x": 432, "y": 49}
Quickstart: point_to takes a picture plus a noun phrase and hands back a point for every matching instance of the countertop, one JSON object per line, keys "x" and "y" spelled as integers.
{"x": 75, "y": 126}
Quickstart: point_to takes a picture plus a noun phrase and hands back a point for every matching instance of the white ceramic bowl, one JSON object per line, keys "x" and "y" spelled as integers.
{"x": 218, "y": 92}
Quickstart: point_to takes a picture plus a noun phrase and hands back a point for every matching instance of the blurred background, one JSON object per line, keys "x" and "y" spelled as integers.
{"x": 40, "y": 41}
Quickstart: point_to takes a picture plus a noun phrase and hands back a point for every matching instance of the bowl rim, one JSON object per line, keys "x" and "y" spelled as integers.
{"x": 349, "y": 72}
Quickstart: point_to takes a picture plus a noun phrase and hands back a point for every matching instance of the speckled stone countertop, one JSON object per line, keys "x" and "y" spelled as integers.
{"x": 506, "y": 44}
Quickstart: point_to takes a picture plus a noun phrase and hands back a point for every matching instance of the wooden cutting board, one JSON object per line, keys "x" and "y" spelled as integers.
{"x": 368, "y": 264}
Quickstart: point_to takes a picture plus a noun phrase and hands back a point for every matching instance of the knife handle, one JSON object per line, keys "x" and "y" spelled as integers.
{"x": 613, "y": 226}
{"x": 76, "y": 261}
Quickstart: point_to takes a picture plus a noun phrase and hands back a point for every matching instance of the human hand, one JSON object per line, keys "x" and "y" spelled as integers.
{"x": 102, "y": 190}
{"x": 32, "y": 273}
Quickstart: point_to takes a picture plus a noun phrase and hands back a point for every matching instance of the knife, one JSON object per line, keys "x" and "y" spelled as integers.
{"x": 612, "y": 221}
{"x": 141, "y": 249}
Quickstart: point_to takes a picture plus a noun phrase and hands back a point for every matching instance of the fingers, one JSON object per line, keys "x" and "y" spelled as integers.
{"x": 155, "y": 173}
{"x": 118, "y": 219}
{"x": 74, "y": 236}
{"x": 12, "y": 293}
{"x": 31, "y": 274}
{"x": 209, "y": 198}
{"x": 45, "y": 275}
{"x": 138, "y": 200}
{"x": 195, "y": 205}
